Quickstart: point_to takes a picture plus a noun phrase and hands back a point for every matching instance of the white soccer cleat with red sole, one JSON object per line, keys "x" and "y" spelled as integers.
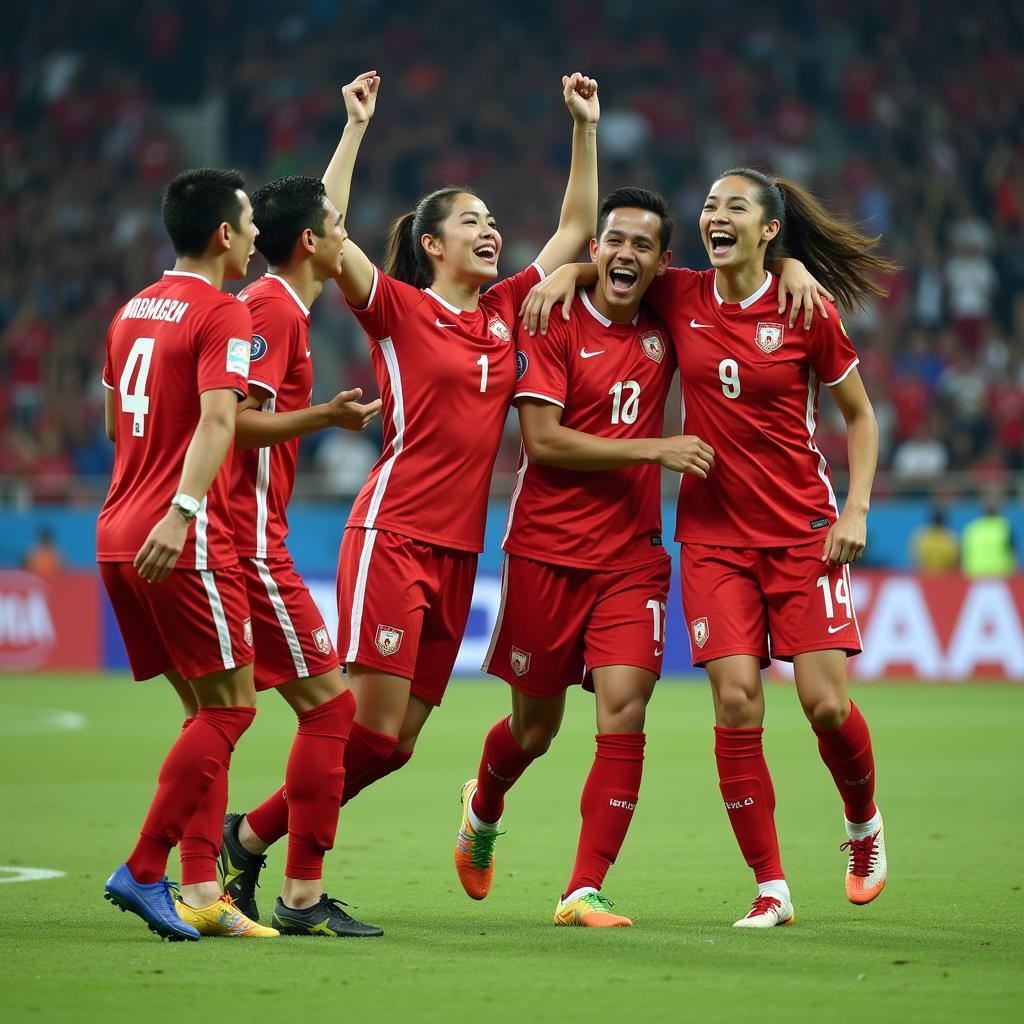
{"x": 867, "y": 870}
{"x": 768, "y": 912}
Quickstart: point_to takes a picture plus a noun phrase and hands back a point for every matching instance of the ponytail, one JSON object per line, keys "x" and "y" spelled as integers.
{"x": 405, "y": 259}
{"x": 400, "y": 255}
{"x": 842, "y": 258}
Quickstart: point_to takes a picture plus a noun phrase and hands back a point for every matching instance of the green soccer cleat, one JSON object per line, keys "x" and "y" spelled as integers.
{"x": 323, "y": 918}
{"x": 238, "y": 870}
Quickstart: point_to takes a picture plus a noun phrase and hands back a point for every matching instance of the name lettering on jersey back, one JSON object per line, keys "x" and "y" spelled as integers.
{"x": 170, "y": 310}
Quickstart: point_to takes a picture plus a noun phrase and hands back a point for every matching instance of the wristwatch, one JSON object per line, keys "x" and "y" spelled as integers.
{"x": 186, "y": 506}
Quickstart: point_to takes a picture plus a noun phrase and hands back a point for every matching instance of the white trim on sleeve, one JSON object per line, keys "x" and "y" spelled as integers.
{"x": 846, "y": 373}
{"x": 544, "y": 398}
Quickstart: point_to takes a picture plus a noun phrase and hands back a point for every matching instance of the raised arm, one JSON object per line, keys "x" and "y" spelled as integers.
{"x": 579, "y": 207}
{"x": 360, "y": 95}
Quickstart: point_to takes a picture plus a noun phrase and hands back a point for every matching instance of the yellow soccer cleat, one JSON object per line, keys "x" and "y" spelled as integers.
{"x": 474, "y": 851}
{"x": 589, "y": 910}
{"x": 224, "y": 919}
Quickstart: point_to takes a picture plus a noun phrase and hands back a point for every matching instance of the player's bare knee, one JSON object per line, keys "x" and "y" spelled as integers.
{"x": 536, "y": 738}
{"x": 827, "y": 713}
{"x": 737, "y": 707}
{"x": 628, "y": 716}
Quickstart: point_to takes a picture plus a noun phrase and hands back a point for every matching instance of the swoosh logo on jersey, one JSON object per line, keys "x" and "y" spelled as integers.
{"x": 837, "y": 629}
{"x": 308, "y": 353}
{"x": 693, "y": 323}
{"x": 584, "y": 354}
{"x": 439, "y": 324}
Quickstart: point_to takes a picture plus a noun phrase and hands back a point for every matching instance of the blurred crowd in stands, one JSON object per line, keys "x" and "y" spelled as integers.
{"x": 902, "y": 114}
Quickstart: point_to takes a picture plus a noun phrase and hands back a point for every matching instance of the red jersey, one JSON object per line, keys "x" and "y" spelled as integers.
{"x": 446, "y": 378}
{"x": 280, "y": 363}
{"x": 750, "y": 390}
{"x": 611, "y": 381}
{"x": 174, "y": 340}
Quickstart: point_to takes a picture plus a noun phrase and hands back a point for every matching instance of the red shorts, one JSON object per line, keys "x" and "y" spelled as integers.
{"x": 403, "y": 606}
{"x": 737, "y": 599}
{"x": 195, "y": 622}
{"x": 291, "y": 639}
{"x": 556, "y": 624}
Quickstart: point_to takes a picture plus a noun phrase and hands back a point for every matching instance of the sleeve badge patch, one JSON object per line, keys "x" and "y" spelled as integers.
{"x": 259, "y": 347}
{"x": 238, "y": 356}
{"x": 522, "y": 364}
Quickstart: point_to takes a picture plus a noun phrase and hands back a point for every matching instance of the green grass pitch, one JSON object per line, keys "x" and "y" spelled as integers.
{"x": 943, "y": 943}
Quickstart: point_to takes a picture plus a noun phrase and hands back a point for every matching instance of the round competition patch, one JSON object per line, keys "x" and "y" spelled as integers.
{"x": 259, "y": 348}
{"x": 522, "y": 362}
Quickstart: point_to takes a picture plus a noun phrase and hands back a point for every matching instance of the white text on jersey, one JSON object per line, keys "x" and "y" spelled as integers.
{"x": 171, "y": 310}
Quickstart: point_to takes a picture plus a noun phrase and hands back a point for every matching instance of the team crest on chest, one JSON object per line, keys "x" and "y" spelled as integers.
{"x": 700, "y": 631}
{"x": 653, "y": 345}
{"x": 520, "y": 661}
{"x": 389, "y": 639}
{"x": 247, "y": 632}
{"x": 499, "y": 328}
{"x": 321, "y": 640}
{"x": 769, "y": 336}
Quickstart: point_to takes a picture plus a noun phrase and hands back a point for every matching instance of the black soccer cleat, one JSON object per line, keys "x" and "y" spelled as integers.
{"x": 323, "y": 918}
{"x": 238, "y": 870}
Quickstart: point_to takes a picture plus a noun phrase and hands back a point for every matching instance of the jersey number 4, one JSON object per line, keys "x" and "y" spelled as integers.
{"x": 134, "y": 400}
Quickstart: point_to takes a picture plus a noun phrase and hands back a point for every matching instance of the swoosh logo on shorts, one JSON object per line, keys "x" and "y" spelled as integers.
{"x": 837, "y": 629}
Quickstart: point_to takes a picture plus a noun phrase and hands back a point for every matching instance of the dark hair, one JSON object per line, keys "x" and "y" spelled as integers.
{"x": 405, "y": 258}
{"x": 282, "y": 210}
{"x": 196, "y": 203}
{"x": 639, "y": 199}
{"x": 833, "y": 250}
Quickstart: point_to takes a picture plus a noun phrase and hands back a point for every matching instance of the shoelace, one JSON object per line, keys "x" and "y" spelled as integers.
{"x": 763, "y": 904}
{"x": 332, "y": 905}
{"x": 596, "y": 901}
{"x": 862, "y": 855}
{"x": 482, "y": 852}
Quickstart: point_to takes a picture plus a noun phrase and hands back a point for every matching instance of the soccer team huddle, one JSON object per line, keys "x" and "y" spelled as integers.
{"x": 207, "y": 395}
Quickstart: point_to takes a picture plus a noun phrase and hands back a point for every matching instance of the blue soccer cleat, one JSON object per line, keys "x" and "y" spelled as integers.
{"x": 153, "y": 903}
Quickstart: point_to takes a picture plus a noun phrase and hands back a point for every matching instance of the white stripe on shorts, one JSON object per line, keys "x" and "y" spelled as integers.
{"x": 486, "y": 666}
{"x": 359, "y": 595}
{"x": 283, "y": 618}
{"x": 219, "y": 619}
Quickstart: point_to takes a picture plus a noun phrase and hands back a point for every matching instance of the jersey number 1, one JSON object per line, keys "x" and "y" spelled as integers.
{"x": 482, "y": 363}
{"x": 136, "y": 401}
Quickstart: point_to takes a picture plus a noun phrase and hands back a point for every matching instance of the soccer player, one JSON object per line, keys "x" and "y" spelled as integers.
{"x": 177, "y": 361}
{"x": 765, "y": 550}
{"x": 302, "y": 238}
{"x": 445, "y": 358}
{"x": 586, "y": 578}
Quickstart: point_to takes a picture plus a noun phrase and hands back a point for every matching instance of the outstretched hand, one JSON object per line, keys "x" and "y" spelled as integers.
{"x": 580, "y": 95}
{"x": 347, "y": 413}
{"x": 360, "y": 97}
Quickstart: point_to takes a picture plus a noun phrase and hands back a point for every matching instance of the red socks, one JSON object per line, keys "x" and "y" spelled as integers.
{"x": 270, "y": 820}
{"x": 847, "y": 754}
{"x": 607, "y": 805}
{"x": 189, "y": 770}
{"x": 314, "y": 781}
{"x": 366, "y": 754}
{"x": 200, "y": 843}
{"x": 398, "y": 759}
{"x": 749, "y": 799}
{"x": 501, "y": 764}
